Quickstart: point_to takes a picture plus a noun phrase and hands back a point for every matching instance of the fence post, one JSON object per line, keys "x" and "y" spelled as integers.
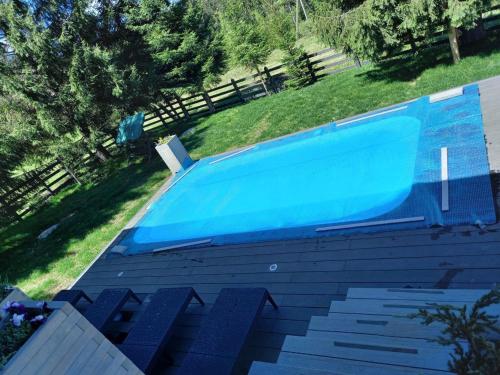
{"x": 35, "y": 177}
{"x": 69, "y": 171}
{"x": 210, "y": 105}
{"x": 183, "y": 107}
{"x": 42, "y": 181}
{"x": 310, "y": 68}
{"x": 172, "y": 115}
{"x": 172, "y": 110}
{"x": 158, "y": 113}
{"x": 357, "y": 62}
{"x": 237, "y": 89}
{"x": 269, "y": 78}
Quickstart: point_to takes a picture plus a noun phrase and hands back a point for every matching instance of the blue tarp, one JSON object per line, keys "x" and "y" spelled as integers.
{"x": 130, "y": 129}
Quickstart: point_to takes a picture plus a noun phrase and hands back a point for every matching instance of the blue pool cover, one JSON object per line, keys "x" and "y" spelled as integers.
{"x": 376, "y": 173}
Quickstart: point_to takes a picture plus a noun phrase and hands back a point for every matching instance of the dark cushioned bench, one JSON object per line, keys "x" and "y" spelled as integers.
{"x": 72, "y": 296}
{"x": 224, "y": 332}
{"x": 104, "y": 309}
{"x": 107, "y": 305}
{"x": 149, "y": 336}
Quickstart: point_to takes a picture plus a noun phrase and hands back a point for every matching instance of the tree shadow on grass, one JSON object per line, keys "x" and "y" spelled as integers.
{"x": 409, "y": 67}
{"x": 81, "y": 211}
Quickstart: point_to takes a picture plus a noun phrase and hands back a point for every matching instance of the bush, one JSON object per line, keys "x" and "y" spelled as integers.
{"x": 5, "y": 288}
{"x": 17, "y": 327}
{"x": 298, "y": 71}
{"x": 471, "y": 333}
{"x": 12, "y": 339}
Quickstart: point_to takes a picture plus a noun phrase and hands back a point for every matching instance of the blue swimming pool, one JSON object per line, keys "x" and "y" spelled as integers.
{"x": 377, "y": 170}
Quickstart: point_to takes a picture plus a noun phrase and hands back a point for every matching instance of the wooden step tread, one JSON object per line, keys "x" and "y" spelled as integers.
{"x": 432, "y": 358}
{"x": 351, "y": 367}
{"x": 368, "y": 339}
{"x": 393, "y": 307}
{"x": 266, "y": 368}
{"x": 428, "y": 295}
{"x": 375, "y": 325}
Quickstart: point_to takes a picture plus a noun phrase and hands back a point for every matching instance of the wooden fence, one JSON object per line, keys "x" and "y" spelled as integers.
{"x": 238, "y": 91}
{"x": 35, "y": 187}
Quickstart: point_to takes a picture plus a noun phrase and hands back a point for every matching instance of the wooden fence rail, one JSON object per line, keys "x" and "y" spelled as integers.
{"x": 35, "y": 187}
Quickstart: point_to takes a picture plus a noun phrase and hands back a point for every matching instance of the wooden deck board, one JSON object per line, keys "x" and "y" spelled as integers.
{"x": 313, "y": 272}
{"x": 425, "y": 259}
{"x": 489, "y": 90}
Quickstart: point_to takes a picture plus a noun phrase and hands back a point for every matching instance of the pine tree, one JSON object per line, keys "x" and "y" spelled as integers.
{"x": 374, "y": 29}
{"x": 277, "y": 24}
{"x": 82, "y": 64}
{"x": 244, "y": 40}
{"x": 183, "y": 40}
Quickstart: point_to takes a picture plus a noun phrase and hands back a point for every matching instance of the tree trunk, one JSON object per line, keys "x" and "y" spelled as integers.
{"x": 455, "y": 49}
{"x": 100, "y": 151}
{"x": 413, "y": 45}
{"x": 297, "y": 18}
{"x": 262, "y": 80}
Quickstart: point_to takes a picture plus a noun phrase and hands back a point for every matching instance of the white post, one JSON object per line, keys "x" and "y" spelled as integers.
{"x": 174, "y": 155}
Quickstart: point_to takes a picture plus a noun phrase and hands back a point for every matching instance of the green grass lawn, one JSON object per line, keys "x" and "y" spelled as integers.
{"x": 101, "y": 210}
{"x": 340, "y": 96}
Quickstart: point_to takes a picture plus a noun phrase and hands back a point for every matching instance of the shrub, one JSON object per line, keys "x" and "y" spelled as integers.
{"x": 297, "y": 69}
{"x": 471, "y": 333}
{"x": 18, "y": 325}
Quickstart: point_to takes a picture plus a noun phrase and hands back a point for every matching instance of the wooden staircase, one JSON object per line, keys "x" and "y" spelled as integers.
{"x": 370, "y": 333}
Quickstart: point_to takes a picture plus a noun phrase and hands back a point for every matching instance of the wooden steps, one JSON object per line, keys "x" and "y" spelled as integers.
{"x": 374, "y": 325}
{"x": 371, "y": 333}
{"x": 427, "y": 295}
{"x": 266, "y": 368}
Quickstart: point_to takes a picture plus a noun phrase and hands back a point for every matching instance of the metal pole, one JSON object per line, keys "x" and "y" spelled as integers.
{"x": 297, "y": 19}
{"x": 303, "y": 9}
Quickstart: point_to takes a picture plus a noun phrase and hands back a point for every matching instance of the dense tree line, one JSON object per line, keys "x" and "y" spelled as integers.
{"x": 71, "y": 69}
{"x": 373, "y": 29}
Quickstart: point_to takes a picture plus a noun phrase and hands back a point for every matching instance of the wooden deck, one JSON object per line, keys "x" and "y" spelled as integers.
{"x": 312, "y": 273}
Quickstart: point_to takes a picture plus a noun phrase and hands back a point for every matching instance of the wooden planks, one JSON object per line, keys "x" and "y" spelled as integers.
{"x": 428, "y": 295}
{"x": 68, "y": 344}
{"x": 489, "y": 90}
{"x": 345, "y": 366}
{"x": 382, "y": 352}
{"x": 265, "y": 368}
{"x": 393, "y": 307}
{"x": 310, "y": 274}
{"x": 375, "y": 325}
{"x": 361, "y": 335}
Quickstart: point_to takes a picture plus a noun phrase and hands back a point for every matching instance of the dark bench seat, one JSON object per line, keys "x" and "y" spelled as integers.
{"x": 107, "y": 305}
{"x": 224, "y": 332}
{"x": 73, "y": 296}
{"x": 148, "y": 337}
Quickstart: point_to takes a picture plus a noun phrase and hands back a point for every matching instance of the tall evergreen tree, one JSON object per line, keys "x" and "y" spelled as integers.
{"x": 375, "y": 28}
{"x": 245, "y": 41}
{"x": 183, "y": 41}
{"x": 84, "y": 64}
{"x": 277, "y": 22}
